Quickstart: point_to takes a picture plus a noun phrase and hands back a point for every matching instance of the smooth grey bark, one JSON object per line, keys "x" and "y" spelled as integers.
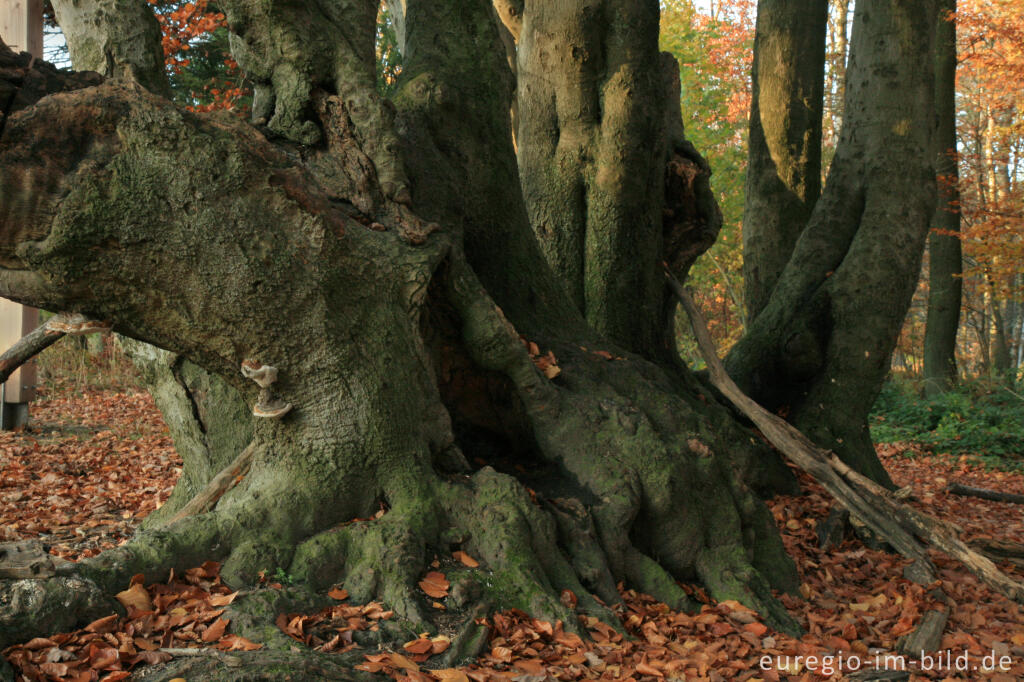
{"x": 611, "y": 184}
{"x": 784, "y": 148}
{"x": 820, "y": 349}
{"x": 945, "y": 269}
{"x": 117, "y": 38}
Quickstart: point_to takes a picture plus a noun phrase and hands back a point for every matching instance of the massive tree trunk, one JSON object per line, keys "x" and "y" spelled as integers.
{"x": 945, "y": 258}
{"x": 820, "y": 348}
{"x": 390, "y": 275}
{"x": 205, "y": 415}
{"x": 612, "y": 187}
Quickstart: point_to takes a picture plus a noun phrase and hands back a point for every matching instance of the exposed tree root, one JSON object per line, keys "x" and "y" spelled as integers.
{"x": 640, "y": 491}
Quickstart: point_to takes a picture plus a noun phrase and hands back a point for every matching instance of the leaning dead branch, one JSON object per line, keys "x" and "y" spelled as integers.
{"x": 44, "y": 336}
{"x": 206, "y": 499}
{"x": 909, "y": 531}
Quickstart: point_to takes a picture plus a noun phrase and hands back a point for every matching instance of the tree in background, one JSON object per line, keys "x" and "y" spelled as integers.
{"x": 819, "y": 348}
{"x": 714, "y": 52}
{"x": 990, "y": 83}
{"x": 945, "y": 264}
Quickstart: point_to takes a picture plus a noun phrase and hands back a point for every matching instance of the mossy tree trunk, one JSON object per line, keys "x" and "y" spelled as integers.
{"x": 820, "y": 348}
{"x": 390, "y": 274}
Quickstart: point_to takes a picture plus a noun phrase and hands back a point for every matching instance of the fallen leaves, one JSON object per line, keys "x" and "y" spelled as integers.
{"x": 546, "y": 363}
{"x": 330, "y": 630}
{"x": 435, "y": 585}
{"x": 82, "y": 486}
{"x": 185, "y": 612}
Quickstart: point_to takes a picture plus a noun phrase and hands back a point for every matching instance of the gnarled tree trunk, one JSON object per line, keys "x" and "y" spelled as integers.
{"x": 396, "y": 323}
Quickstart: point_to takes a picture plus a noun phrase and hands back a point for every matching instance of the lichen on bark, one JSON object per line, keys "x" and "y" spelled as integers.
{"x": 222, "y": 244}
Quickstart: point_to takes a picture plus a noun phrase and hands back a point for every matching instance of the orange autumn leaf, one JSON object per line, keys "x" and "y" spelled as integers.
{"x": 216, "y": 631}
{"x": 435, "y": 585}
{"x": 418, "y": 646}
{"x": 465, "y": 559}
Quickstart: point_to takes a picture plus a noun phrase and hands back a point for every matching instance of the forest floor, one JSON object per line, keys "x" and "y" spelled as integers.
{"x": 95, "y": 462}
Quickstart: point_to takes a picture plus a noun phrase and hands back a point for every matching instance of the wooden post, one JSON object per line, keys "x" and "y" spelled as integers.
{"x": 21, "y": 27}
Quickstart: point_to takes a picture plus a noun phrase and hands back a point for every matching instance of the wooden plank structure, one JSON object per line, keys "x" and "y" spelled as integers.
{"x": 21, "y": 28}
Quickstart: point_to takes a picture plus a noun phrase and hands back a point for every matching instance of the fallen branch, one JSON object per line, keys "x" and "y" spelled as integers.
{"x": 26, "y": 348}
{"x": 44, "y": 336}
{"x": 902, "y": 526}
{"x": 994, "y": 495}
{"x": 207, "y": 498}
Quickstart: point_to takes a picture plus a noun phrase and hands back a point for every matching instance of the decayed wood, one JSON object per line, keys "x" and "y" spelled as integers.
{"x": 904, "y": 527}
{"x": 1000, "y": 550}
{"x": 207, "y": 498}
{"x": 25, "y": 559}
{"x": 994, "y": 495}
{"x": 927, "y": 636}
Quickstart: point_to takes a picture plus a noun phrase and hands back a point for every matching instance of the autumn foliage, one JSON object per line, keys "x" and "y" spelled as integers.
{"x": 193, "y": 27}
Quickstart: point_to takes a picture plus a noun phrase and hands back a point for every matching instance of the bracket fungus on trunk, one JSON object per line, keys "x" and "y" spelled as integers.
{"x": 267, "y": 406}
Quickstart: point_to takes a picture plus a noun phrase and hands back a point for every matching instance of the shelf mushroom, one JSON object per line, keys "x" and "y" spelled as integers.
{"x": 267, "y": 406}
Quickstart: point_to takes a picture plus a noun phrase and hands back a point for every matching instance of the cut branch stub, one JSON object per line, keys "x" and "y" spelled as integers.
{"x": 267, "y": 406}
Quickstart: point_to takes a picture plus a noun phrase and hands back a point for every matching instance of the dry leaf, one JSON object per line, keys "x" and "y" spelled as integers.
{"x": 465, "y": 559}
{"x": 402, "y": 662}
{"x": 418, "y": 646}
{"x": 216, "y": 631}
{"x": 135, "y": 597}
{"x": 435, "y": 585}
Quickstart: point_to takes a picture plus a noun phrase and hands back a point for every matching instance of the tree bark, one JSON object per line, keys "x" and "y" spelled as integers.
{"x": 945, "y": 267}
{"x": 116, "y": 38}
{"x": 820, "y": 348}
{"x": 207, "y": 418}
{"x": 600, "y": 139}
{"x": 395, "y": 330}
{"x": 784, "y": 148}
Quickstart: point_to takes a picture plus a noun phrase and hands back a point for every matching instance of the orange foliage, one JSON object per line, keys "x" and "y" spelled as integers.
{"x": 184, "y": 23}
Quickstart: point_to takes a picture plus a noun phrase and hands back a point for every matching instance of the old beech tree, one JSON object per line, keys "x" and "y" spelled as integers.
{"x": 407, "y": 266}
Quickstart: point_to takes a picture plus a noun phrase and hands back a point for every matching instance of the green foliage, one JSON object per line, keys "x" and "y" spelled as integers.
{"x": 284, "y": 577}
{"x": 714, "y": 54}
{"x": 982, "y": 418}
